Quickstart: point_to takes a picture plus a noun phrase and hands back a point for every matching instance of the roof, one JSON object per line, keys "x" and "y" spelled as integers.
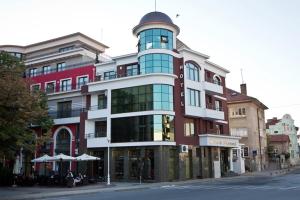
{"x": 236, "y": 97}
{"x": 279, "y": 138}
{"x": 180, "y": 44}
{"x": 75, "y": 36}
{"x": 156, "y": 18}
{"x": 272, "y": 121}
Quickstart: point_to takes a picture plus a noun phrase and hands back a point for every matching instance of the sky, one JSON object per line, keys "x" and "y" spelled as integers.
{"x": 261, "y": 37}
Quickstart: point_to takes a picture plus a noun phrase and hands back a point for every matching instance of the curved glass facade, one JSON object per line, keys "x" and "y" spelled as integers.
{"x": 142, "y": 98}
{"x": 142, "y": 128}
{"x": 156, "y": 39}
{"x": 156, "y": 63}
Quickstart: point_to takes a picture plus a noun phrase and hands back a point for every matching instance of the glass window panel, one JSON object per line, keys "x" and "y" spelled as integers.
{"x": 157, "y": 96}
{"x": 156, "y": 63}
{"x": 157, "y": 69}
{"x": 164, "y": 32}
{"x": 165, "y": 97}
{"x": 165, "y": 105}
{"x": 157, "y": 105}
{"x": 157, "y": 56}
{"x": 165, "y": 89}
{"x": 157, "y": 88}
{"x": 156, "y": 31}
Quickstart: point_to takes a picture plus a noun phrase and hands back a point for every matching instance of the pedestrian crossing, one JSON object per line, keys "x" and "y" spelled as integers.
{"x": 228, "y": 187}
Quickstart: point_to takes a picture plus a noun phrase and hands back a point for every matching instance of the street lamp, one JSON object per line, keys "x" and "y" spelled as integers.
{"x": 108, "y": 159}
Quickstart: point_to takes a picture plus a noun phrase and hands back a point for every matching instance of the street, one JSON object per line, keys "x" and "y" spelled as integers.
{"x": 244, "y": 188}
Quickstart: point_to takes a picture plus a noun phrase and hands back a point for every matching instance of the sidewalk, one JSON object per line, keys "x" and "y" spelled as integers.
{"x": 38, "y": 192}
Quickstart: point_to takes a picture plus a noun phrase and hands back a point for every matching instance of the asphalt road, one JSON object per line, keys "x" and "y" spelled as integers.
{"x": 284, "y": 187}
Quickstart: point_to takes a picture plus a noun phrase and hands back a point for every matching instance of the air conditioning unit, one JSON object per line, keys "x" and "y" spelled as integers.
{"x": 184, "y": 148}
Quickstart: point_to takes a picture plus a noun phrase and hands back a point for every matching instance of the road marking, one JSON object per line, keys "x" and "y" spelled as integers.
{"x": 225, "y": 187}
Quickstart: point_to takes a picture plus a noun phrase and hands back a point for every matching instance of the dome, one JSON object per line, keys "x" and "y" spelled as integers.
{"x": 156, "y": 18}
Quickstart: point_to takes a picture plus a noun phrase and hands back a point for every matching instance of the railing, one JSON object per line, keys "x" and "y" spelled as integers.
{"x": 55, "y": 69}
{"x": 65, "y": 88}
{"x": 54, "y": 52}
{"x": 58, "y": 114}
{"x": 104, "y": 78}
{"x": 97, "y": 107}
{"x": 213, "y": 107}
{"x": 214, "y": 81}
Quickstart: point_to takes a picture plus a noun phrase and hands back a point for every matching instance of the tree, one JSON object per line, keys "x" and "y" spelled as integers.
{"x": 21, "y": 110}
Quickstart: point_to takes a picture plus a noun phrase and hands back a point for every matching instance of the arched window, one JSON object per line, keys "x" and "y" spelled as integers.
{"x": 217, "y": 80}
{"x": 63, "y": 142}
{"x": 63, "y": 145}
{"x": 192, "y": 71}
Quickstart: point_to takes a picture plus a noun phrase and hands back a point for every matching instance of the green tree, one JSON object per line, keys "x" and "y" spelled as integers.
{"x": 21, "y": 110}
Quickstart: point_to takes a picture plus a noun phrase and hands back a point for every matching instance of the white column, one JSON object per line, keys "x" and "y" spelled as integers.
{"x": 230, "y": 161}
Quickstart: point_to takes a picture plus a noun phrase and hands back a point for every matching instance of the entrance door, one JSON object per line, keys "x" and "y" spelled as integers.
{"x": 224, "y": 161}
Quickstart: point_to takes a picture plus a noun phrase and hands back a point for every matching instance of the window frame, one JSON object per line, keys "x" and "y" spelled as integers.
{"x": 69, "y": 87}
{"x": 54, "y": 88}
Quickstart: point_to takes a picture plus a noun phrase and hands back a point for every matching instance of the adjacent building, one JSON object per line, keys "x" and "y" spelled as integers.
{"x": 161, "y": 112}
{"x": 286, "y": 126}
{"x": 247, "y": 120}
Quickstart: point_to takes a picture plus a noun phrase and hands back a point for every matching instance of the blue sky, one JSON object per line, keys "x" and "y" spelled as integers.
{"x": 259, "y": 36}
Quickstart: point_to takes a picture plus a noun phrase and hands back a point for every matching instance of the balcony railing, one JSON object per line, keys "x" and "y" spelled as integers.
{"x": 213, "y": 107}
{"x": 214, "y": 81}
{"x": 115, "y": 76}
{"x": 55, "y": 69}
{"x": 65, "y": 88}
{"x": 58, "y": 114}
{"x": 97, "y": 107}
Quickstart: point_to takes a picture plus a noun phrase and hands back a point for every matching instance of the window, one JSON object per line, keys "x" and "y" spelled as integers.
{"x": 64, "y": 49}
{"x": 32, "y": 72}
{"x": 142, "y": 128}
{"x": 193, "y": 97}
{"x": 50, "y": 87}
{"x": 46, "y": 69}
{"x": 189, "y": 127}
{"x": 64, "y": 109}
{"x": 155, "y": 39}
{"x": 82, "y": 81}
{"x": 65, "y": 85}
{"x": 219, "y": 129}
{"x": 132, "y": 70}
{"x": 100, "y": 128}
{"x": 35, "y": 88}
{"x": 217, "y": 80}
{"x": 246, "y": 151}
{"x": 109, "y": 75}
{"x": 102, "y": 101}
{"x": 142, "y": 98}
{"x": 192, "y": 72}
{"x": 61, "y": 66}
{"x": 156, "y": 63}
{"x": 218, "y": 105}
{"x": 238, "y": 112}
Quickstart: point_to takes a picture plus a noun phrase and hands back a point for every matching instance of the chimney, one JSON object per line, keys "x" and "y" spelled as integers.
{"x": 244, "y": 89}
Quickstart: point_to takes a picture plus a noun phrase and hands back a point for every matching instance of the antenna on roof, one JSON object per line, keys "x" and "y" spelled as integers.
{"x": 242, "y": 76}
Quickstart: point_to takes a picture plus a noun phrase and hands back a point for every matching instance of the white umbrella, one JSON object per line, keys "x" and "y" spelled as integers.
{"x": 44, "y": 158}
{"x": 62, "y": 157}
{"x": 85, "y": 157}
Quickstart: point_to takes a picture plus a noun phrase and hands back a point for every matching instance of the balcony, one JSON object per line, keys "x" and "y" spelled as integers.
{"x": 66, "y": 116}
{"x": 212, "y": 112}
{"x": 213, "y": 86}
{"x": 54, "y": 69}
{"x": 57, "y": 114}
{"x": 95, "y": 112}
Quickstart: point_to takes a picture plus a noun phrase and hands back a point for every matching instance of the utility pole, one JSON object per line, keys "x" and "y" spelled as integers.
{"x": 108, "y": 160}
{"x": 259, "y": 140}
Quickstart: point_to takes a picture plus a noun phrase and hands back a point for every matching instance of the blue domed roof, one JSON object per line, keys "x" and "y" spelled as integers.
{"x": 155, "y": 17}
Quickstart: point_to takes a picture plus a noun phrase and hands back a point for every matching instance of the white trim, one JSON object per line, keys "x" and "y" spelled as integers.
{"x": 39, "y": 84}
{"x": 54, "y": 141}
{"x": 219, "y": 97}
{"x": 222, "y": 121}
{"x": 141, "y": 113}
{"x": 81, "y": 76}
{"x": 217, "y": 66}
{"x": 60, "y": 84}
{"x": 161, "y": 51}
{"x": 195, "y": 52}
{"x": 45, "y": 86}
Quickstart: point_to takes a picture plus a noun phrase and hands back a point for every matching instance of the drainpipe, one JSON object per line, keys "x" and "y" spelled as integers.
{"x": 259, "y": 140}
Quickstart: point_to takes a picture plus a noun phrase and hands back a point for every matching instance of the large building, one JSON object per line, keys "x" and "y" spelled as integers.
{"x": 286, "y": 126}
{"x": 247, "y": 120}
{"x": 162, "y": 111}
